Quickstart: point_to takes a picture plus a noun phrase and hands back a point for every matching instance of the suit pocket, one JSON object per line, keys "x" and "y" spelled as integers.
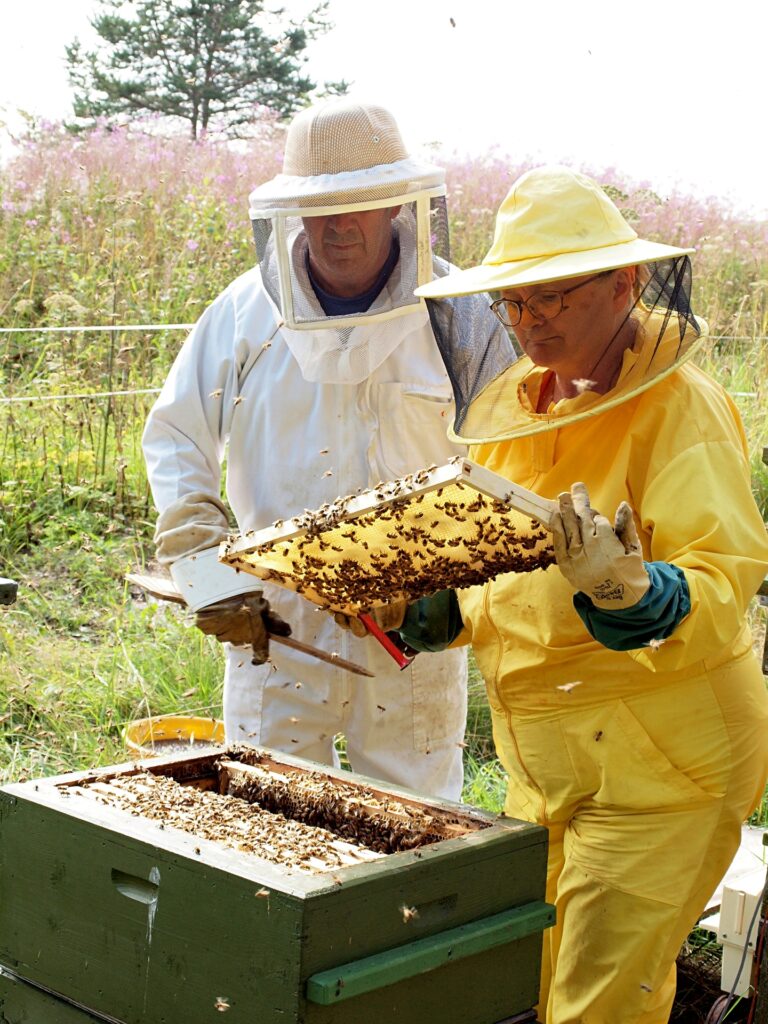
{"x": 634, "y": 760}
{"x": 412, "y": 424}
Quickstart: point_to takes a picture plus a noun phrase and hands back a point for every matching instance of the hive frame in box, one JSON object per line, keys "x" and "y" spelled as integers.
{"x": 260, "y": 552}
{"x": 144, "y": 922}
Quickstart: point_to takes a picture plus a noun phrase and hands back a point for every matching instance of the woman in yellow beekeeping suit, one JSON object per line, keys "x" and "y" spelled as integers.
{"x": 628, "y": 707}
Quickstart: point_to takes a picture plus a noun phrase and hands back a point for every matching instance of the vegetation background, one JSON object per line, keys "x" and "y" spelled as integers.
{"x": 122, "y": 227}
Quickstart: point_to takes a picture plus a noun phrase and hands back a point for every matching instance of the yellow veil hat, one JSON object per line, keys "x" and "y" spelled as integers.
{"x": 554, "y": 223}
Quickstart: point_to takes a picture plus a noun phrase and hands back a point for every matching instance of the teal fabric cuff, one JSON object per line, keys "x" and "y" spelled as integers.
{"x": 432, "y": 623}
{"x": 655, "y": 617}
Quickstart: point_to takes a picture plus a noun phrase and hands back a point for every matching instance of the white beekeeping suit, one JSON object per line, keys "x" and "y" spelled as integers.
{"x": 308, "y": 405}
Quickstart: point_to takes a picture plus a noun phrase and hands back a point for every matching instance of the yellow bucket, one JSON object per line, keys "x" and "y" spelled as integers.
{"x": 171, "y": 734}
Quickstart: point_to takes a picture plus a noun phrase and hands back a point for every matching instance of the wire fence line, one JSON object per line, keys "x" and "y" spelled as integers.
{"x": 27, "y": 399}
{"x": 96, "y": 327}
{"x": 87, "y": 396}
{"x": 76, "y": 328}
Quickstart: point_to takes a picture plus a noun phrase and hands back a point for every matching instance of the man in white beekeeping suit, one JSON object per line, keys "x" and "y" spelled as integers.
{"x": 318, "y": 372}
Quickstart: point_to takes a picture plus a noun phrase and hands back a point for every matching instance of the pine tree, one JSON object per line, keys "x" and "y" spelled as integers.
{"x": 206, "y": 61}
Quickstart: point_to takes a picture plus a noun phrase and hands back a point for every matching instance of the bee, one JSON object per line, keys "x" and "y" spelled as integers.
{"x": 238, "y": 400}
{"x": 409, "y": 914}
{"x": 221, "y": 1004}
{"x": 655, "y": 644}
{"x": 567, "y": 687}
{"x": 262, "y": 894}
{"x": 598, "y": 735}
{"x": 217, "y": 393}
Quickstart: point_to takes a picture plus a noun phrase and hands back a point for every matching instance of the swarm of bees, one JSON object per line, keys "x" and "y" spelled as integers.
{"x": 346, "y": 811}
{"x": 414, "y": 541}
{"x": 296, "y": 819}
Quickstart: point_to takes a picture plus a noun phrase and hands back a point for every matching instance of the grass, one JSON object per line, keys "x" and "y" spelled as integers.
{"x": 123, "y": 227}
{"x": 79, "y": 659}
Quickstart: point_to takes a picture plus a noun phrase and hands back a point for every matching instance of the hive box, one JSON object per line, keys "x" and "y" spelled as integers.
{"x": 108, "y": 916}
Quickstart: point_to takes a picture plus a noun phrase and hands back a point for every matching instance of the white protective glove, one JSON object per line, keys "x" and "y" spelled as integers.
{"x": 602, "y": 561}
{"x": 388, "y": 617}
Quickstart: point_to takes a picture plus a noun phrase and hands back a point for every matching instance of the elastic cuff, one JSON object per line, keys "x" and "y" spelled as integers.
{"x": 202, "y": 579}
{"x": 655, "y": 617}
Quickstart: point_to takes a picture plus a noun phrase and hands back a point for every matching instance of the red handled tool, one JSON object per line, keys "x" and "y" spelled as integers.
{"x": 398, "y": 653}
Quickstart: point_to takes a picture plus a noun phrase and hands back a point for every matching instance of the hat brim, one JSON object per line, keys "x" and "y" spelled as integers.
{"x": 383, "y": 181}
{"x": 541, "y": 269}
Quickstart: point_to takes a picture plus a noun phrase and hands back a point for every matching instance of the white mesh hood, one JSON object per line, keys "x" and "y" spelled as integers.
{"x": 281, "y": 244}
{"x": 344, "y": 158}
{"x": 344, "y": 349}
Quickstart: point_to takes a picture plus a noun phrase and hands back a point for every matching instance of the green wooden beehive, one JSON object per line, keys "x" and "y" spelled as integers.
{"x": 113, "y": 909}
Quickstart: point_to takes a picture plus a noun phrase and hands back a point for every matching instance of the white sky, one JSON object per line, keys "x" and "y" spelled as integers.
{"x": 670, "y": 91}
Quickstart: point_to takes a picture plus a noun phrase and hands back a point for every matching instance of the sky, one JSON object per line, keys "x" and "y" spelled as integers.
{"x": 672, "y": 92}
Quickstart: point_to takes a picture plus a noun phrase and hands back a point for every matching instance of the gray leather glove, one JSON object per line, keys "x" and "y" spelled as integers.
{"x": 389, "y": 616}
{"x": 241, "y": 620}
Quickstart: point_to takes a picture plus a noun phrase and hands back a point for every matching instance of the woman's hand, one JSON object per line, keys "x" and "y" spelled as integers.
{"x": 602, "y": 561}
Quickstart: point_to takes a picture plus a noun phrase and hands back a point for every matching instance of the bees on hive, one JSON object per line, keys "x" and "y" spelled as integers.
{"x": 387, "y": 554}
{"x": 291, "y": 817}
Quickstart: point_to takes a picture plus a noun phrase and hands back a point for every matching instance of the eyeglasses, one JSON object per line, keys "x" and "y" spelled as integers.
{"x": 543, "y": 306}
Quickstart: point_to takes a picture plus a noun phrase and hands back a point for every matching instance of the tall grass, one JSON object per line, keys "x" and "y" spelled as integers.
{"x": 126, "y": 227}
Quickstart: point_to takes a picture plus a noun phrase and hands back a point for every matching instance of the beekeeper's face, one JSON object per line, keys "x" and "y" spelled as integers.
{"x": 348, "y": 250}
{"x": 569, "y": 325}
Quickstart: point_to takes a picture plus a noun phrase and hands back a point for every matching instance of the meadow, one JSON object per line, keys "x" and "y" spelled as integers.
{"x": 127, "y": 229}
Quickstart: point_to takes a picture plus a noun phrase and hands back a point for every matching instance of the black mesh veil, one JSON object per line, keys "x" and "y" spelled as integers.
{"x": 665, "y": 286}
{"x": 493, "y": 405}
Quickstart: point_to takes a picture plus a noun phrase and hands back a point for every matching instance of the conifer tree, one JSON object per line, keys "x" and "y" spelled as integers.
{"x": 206, "y": 61}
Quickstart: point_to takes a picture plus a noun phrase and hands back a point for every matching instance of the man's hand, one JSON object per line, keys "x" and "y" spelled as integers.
{"x": 388, "y": 617}
{"x": 245, "y": 619}
{"x": 602, "y": 561}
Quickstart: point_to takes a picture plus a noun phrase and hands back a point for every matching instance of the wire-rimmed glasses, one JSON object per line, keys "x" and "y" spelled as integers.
{"x": 542, "y": 306}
